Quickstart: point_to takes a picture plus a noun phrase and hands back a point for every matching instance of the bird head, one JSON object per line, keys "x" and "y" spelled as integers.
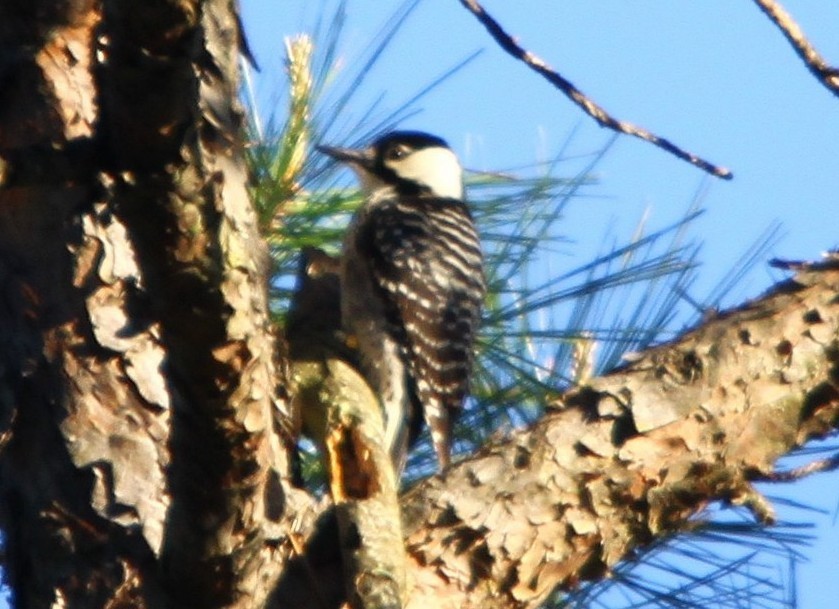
{"x": 411, "y": 162}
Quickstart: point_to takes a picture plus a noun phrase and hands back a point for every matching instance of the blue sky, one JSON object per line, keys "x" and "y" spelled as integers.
{"x": 715, "y": 77}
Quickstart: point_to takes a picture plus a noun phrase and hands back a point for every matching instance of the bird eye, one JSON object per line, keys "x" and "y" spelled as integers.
{"x": 395, "y": 153}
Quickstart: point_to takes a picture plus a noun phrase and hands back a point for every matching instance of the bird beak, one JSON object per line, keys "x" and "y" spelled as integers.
{"x": 363, "y": 158}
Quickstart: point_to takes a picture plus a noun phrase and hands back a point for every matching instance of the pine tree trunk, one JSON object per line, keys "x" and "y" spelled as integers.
{"x": 140, "y": 463}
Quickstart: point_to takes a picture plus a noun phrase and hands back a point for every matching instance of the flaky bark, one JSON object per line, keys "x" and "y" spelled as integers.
{"x": 633, "y": 456}
{"x": 141, "y": 464}
{"x": 138, "y": 377}
{"x": 342, "y": 415}
{"x": 630, "y": 457}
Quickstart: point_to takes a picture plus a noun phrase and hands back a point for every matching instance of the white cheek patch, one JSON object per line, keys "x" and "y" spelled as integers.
{"x": 436, "y": 168}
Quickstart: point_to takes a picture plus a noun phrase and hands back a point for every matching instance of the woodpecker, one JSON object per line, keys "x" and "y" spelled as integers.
{"x": 412, "y": 284}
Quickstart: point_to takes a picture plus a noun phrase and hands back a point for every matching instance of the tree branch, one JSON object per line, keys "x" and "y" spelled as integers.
{"x": 631, "y": 457}
{"x": 816, "y": 467}
{"x": 824, "y": 73}
{"x": 340, "y": 413}
{"x": 600, "y": 115}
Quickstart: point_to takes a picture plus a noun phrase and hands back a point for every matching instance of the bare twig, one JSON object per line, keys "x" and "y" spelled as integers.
{"x": 824, "y": 73}
{"x": 822, "y": 465}
{"x": 829, "y": 261}
{"x": 592, "y": 109}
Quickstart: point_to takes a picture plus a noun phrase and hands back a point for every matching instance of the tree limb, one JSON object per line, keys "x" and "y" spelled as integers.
{"x": 538, "y": 65}
{"x": 824, "y": 73}
{"x": 816, "y": 467}
{"x": 340, "y": 413}
{"x": 633, "y": 455}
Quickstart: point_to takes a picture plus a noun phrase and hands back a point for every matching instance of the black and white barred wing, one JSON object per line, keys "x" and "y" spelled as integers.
{"x": 426, "y": 262}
